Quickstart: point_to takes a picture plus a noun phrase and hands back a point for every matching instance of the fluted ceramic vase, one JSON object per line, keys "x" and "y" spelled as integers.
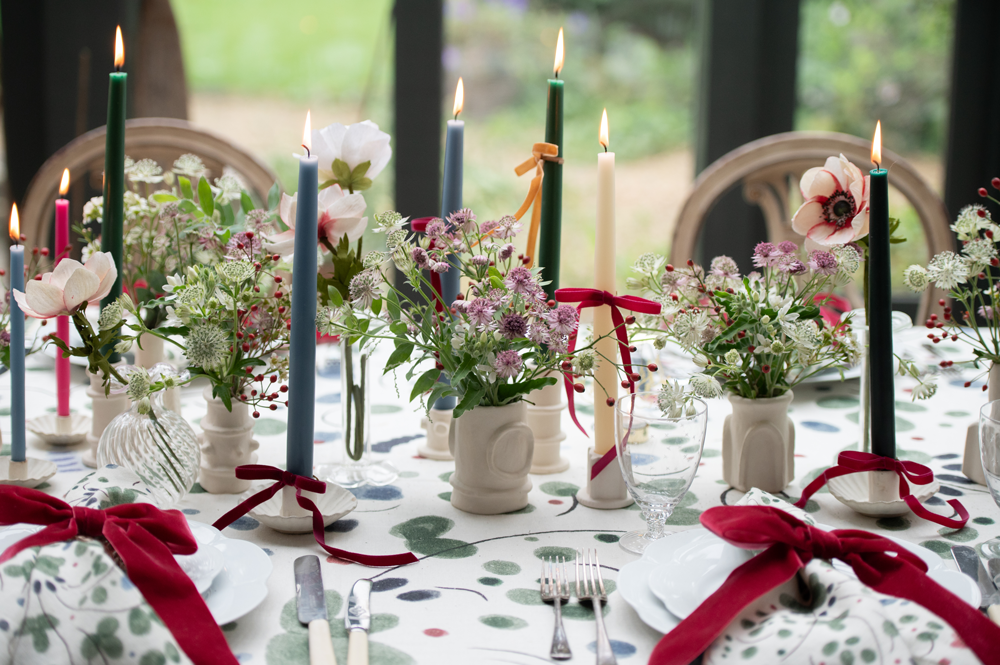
{"x": 159, "y": 446}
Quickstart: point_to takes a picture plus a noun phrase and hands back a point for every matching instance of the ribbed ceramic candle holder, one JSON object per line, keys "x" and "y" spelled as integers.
{"x": 608, "y": 490}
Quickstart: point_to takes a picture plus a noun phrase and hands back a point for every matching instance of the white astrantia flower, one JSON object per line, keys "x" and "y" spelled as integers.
{"x": 924, "y": 390}
{"x": 733, "y": 358}
{"x": 947, "y": 270}
{"x": 364, "y": 288}
{"x": 706, "y": 386}
{"x": 979, "y": 251}
{"x": 671, "y": 399}
{"x": 916, "y": 278}
{"x": 585, "y": 363}
{"x": 690, "y": 326}
{"x": 848, "y": 259}
{"x": 111, "y": 316}
{"x": 189, "y": 165}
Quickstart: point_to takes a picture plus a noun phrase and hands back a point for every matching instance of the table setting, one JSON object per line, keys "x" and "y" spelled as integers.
{"x": 360, "y": 456}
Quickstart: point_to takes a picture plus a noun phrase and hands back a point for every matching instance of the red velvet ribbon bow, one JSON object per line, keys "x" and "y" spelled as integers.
{"x": 596, "y": 298}
{"x": 419, "y": 225}
{"x": 853, "y": 461}
{"x": 791, "y": 544}
{"x": 289, "y": 479}
{"x": 146, "y": 539}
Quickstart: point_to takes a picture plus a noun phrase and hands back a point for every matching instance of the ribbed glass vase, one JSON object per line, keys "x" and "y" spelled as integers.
{"x": 159, "y": 446}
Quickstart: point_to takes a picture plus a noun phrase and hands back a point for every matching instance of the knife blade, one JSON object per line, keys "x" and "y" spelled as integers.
{"x": 310, "y": 600}
{"x": 969, "y": 563}
{"x": 358, "y": 620}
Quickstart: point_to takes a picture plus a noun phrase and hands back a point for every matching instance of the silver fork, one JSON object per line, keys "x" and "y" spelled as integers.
{"x": 593, "y": 589}
{"x": 555, "y": 589}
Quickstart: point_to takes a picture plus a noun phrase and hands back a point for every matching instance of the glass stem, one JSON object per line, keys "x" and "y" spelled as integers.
{"x": 655, "y": 520}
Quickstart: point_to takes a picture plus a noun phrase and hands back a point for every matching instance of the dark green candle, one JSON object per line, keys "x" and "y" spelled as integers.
{"x": 114, "y": 168}
{"x": 550, "y": 225}
{"x": 879, "y": 314}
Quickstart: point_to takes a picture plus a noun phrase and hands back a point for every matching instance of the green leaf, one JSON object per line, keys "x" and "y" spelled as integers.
{"x": 376, "y": 306}
{"x": 399, "y": 329}
{"x": 273, "y": 196}
{"x": 361, "y": 185}
{"x": 341, "y": 171}
{"x": 399, "y": 356}
{"x": 466, "y": 366}
{"x": 470, "y": 399}
{"x": 335, "y": 297}
{"x": 246, "y": 203}
{"x": 187, "y": 206}
{"x": 228, "y": 216}
{"x": 164, "y": 197}
{"x": 185, "y": 186}
{"x": 360, "y": 170}
{"x": 506, "y": 391}
{"x": 327, "y": 183}
{"x": 441, "y": 389}
{"x": 392, "y": 302}
{"x": 424, "y": 383}
{"x": 205, "y": 196}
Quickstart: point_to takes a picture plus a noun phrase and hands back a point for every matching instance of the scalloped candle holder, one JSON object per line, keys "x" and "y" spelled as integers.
{"x": 60, "y": 430}
{"x": 30, "y": 473}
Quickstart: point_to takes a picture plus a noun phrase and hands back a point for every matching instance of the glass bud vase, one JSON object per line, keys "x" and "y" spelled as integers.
{"x": 356, "y": 466}
{"x": 159, "y": 446}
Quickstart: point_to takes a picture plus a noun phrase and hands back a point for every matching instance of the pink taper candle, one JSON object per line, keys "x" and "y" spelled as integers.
{"x": 62, "y": 322}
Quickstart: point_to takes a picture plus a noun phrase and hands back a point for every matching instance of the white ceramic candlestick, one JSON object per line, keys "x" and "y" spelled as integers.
{"x": 545, "y": 421}
{"x": 607, "y": 491}
{"x": 105, "y": 409}
{"x": 283, "y": 513}
{"x": 437, "y": 426}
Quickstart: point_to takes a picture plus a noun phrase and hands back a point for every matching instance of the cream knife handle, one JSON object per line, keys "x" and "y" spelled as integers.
{"x": 993, "y": 612}
{"x": 357, "y": 648}
{"x": 320, "y": 643}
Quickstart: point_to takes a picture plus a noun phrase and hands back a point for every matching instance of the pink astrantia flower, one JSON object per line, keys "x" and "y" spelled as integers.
{"x": 70, "y": 285}
{"x": 507, "y": 364}
{"x": 338, "y": 215}
{"x": 835, "y": 211}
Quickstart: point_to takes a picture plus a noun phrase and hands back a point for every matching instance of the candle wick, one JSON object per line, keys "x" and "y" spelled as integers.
{"x": 118, "y": 68}
{"x": 308, "y": 153}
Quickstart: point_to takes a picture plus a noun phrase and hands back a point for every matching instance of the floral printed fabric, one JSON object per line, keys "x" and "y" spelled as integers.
{"x": 70, "y": 603}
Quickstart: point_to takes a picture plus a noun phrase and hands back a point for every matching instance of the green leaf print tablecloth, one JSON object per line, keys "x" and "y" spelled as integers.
{"x": 474, "y": 595}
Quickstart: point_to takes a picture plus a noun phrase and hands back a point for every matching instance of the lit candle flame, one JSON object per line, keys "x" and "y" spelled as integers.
{"x": 557, "y": 68}
{"x": 64, "y": 183}
{"x": 119, "y": 49}
{"x": 877, "y": 145}
{"x": 459, "y": 98}
{"x": 15, "y": 225}
{"x": 605, "y": 141}
{"x": 307, "y": 133}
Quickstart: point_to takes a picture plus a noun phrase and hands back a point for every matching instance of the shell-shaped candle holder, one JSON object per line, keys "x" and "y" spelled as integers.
{"x": 333, "y": 504}
{"x": 852, "y": 490}
{"x": 30, "y": 473}
{"x": 60, "y": 430}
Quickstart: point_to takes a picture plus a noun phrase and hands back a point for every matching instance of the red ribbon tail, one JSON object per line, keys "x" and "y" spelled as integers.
{"x": 605, "y": 460}
{"x": 246, "y": 506}
{"x": 921, "y": 511}
{"x": 378, "y": 561}
{"x": 570, "y": 401}
{"x": 168, "y": 590}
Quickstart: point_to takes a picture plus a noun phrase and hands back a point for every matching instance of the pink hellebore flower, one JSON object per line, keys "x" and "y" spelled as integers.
{"x": 339, "y": 215}
{"x": 70, "y": 285}
{"x": 835, "y": 211}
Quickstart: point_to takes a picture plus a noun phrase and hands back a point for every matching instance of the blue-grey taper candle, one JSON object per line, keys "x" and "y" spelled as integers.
{"x": 451, "y": 200}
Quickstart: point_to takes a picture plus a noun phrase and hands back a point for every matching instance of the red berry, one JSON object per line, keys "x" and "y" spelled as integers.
{"x": 253, "y": 393}
{"x": 460, "y": 296}
{"x": 35, "y": 251}
{"x": 243, "y": 397}
{"x": 766, "y": 369}
{"x": 277, "y": 279}
{"x": 989, "y": 234}
{"x": 624, "y": 383}
{"x": 984, "y": 388}
{"x": 551, "y": 303}
{"x": 259, "y": 377}
{"x": 278, "y": 294}
{"x": 954, "y": 338}
{"x": 256, "y": 414}
{"x": 634, "y": 377}
{"x": 276, "y": 257}
{"x": 941, "y": 302}
{"x": 632, "y": 348}
{"x": 983, "y": 192}
{"x": 438, "y": 366}
{"x": 933, "y": 317}
{"x": 610, "y": 401}
{"x": 670, "y": 268}
{"x": 249, "y": 235}
{"x": 566, "y": 365}
{"x": 652, "y": 367}
{"x": 996, "y": 183}
{"x": 751, "y": 348}
{"x": 249, "y": 370}
{"x": 968, "y": 383}
{"x": 673, "y": 296}
{"x": 281, "y": 310}
{"x": 578, "y": 387}
{"x": 246, "y": 346}
{"x": 629, "y": 320}
{"x": 283, "y": 388}
{"x": 690, "y": 263}
{"x": 256, "y": 289}
{"x": 981, "y": 212}
{"x": 274, "y": 407}
{"x": 45, "y": 251}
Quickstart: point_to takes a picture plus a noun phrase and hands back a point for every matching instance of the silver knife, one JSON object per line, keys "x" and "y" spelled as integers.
{"x": 970, "y": 564}
{"x": 311, "y": 603}
{"x": 357, "y": 621}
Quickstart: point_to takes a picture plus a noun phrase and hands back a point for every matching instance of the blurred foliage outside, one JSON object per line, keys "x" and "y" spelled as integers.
{"x": 859, "y": 61}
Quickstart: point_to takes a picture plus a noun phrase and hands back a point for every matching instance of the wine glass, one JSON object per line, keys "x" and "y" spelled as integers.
{"x": 659, "y": 458}
{"x": 989, "y": 449}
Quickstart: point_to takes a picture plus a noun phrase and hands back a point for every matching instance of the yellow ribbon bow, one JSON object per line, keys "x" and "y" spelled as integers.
{"x": 540, "y": 153}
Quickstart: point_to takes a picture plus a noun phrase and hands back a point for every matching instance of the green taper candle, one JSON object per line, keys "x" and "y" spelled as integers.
{"x": 114, "y": 168}
{"x": 879, "y": 315}
{"x": 550, "y": 225}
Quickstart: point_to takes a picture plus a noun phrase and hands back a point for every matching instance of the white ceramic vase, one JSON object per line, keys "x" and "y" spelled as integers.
{"x": 972, "y": 461}
{"x": 151, "y": 352}
{"x": 104, "y": 410}
{"x": 493, "y": 447}
{"x": 758, "y": 444}
{"x": 226, "y": 442}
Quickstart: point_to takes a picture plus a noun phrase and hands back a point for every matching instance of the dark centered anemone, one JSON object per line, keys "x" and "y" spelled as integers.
{"x": 839, "y": 208}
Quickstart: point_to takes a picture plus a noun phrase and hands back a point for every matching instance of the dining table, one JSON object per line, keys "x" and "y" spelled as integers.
{"x": 474, "y": 596}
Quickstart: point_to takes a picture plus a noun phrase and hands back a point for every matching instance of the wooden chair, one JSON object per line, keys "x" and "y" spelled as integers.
{"x": 770, "y": 169}
{"x": 161, "y": 139}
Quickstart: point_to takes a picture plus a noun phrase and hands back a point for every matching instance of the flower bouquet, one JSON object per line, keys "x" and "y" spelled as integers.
{"x": 495, "y": 343}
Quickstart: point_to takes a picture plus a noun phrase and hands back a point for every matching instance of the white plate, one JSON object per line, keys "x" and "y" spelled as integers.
{"x": 239, "y": 586}
{"x": 633, "y": 585}
{"x": 203, "y": 566}
{"x": 693, "y": 568}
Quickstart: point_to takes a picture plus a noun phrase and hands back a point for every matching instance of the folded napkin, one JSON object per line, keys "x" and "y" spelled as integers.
{"x": 752, "y": 616}
{"x": 63, "y": 599}
{"x": 758, "y": 497}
